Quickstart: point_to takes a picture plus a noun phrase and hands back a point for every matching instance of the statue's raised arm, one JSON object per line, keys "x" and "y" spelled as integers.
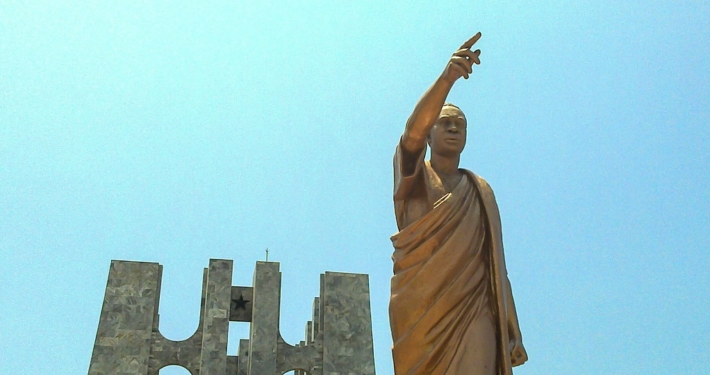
{"x": 429, "y": 106}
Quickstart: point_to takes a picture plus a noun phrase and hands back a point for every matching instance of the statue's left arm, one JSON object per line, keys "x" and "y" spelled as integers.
{"x": 518, "y": 355}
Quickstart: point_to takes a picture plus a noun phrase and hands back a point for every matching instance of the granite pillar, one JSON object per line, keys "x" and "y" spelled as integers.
{"x": 123, "y": 339}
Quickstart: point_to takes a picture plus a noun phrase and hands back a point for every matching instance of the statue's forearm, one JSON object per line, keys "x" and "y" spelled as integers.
{"x": 513, "y": 325}
{"x": 425, "y": 115}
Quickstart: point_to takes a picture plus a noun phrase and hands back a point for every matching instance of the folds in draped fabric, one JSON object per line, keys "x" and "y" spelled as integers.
{"x": 448, "y": 310}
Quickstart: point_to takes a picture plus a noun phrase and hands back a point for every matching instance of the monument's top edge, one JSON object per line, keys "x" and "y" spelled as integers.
{"x": 132, "y": 261}
{"x": 348, "y": 274}
{"x": 266, "y": 262}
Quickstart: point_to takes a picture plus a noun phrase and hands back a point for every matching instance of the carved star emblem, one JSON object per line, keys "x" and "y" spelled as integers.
{"x": 240, "y": 303}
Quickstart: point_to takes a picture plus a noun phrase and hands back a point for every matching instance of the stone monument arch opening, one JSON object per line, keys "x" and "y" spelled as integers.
{"x": 173, "y": 370}
{"x": 179, "y": 308}
{"x": 297, "y": 372}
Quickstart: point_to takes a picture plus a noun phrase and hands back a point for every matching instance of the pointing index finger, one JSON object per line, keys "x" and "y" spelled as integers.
{"x": 469, "y": 43}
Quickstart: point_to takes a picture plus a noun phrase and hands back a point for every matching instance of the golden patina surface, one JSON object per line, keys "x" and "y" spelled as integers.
{"x": 451, "y": 309}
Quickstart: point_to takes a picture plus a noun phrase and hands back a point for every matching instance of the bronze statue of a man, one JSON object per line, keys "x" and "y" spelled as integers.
{"x": 451, "y": 309}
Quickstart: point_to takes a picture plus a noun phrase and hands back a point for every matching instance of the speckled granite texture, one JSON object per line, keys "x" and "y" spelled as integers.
{"x": 338, "y": 340}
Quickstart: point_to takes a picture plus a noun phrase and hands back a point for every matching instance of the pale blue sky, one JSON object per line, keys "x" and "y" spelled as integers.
{"x": 172, "y": 133}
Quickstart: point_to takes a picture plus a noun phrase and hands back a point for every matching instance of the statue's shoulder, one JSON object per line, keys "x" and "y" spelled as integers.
{"x": 480, "y": 181}
{"x": 487, "y": 195}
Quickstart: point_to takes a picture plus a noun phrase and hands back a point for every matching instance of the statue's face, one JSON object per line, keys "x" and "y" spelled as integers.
{"x": 448, "y": 136}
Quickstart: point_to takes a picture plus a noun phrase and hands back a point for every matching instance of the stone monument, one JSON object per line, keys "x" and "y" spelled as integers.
{"x": 338, "y": 339}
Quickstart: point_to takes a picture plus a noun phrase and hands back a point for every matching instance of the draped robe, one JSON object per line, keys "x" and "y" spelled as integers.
{"x": 449, "y": 304}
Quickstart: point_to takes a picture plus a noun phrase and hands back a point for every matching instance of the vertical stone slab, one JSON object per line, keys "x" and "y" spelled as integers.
{"x": 232, "y": 364}
{"x": 129, "y": 311}
{"x": 317, "y": 321}
{"x": 264, "y": 330}
{"x": 243, "y": 360}
{"x": 347, "y": 325}
{"x": 215, "y": 326}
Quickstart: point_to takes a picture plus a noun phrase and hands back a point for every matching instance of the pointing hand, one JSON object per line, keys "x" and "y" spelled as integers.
{"x": 461, "y": 62}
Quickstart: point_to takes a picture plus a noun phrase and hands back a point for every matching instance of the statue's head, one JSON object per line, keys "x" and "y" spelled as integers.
{"x": 448, "y": 136}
